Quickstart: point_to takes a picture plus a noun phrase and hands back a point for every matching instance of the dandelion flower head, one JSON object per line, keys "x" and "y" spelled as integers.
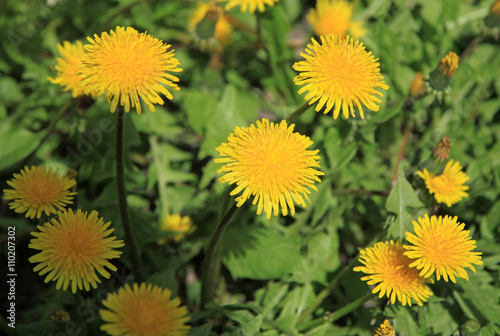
{"x": 441, "y": 245}
{"x": 250, "y": 5}
{"x": 339, "y": 72}
{"x": 38, "y": 190}
{"x": 73, "y": 247}
{"x": 126, "y": 65}
{"x": 68, "y": 66}
{"x": 334, "y": 17}
{"x": 144, "y": 310}
{"x": 495, "y": 8}
{"x": 417, "y": 86}
{"x": 183, "y": 225}
{"x": 271, "y": 163}
{"x": 449, "y": 64}
{"x": 388, "y": 268}
{"x": 448, "y": 187}
{"x": 357, "y": 29}
{"x": 210, "y": 29}
{"x": 385, "y": 329}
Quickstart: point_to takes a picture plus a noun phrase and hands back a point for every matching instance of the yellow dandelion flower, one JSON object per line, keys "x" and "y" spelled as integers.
{"x": 441, "y": 245}
{"x": 144, "y": 310}
{"x": 271, "y": 163}
{"x": 449, "y": 64}
{"x": 389, "y": 270}
{"x": 183, "y": 225}
{"x": 38, "y": 190}
{"x": 250, "y": 5}
{"x": 68, "y": 66}
{"x": 330, "y": 17}
{"x": 447, "y": 187}
{"x": 339, "y": 72}
{"x": 73, "y": 247}
{"x": 417, "y": 86}
{"x": 126, "y": 65}
{"x": 357, "y": 29}
{"x": 495, "y": 8}
{"x": 209, "y": 27}
{"x": 385, "y": 329}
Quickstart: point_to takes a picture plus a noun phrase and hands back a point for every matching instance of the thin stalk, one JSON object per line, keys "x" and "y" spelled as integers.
{"x": 162, "y": 183}
{"x": 135, "y": 258}
{"x": 297, "y": 113}
{"x": 326, "y": 292}
{"x": 360, "y": 192}
{"x": 333, "y": 284}
{"x": 401, "y": 153}
{"x": 49, "y": 129}
{"x": 238, "y": 24}
{"x": 212, "y": 262}
{"x": 259, "y": 30}
{"x": 338, "y": 313}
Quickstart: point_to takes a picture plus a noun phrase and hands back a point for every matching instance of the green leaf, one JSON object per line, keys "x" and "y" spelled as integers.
{"x": 203, "y": 330}
{"x": 200, "y": 107}
{"x": 17, "y": 143}
{"x": 401, "y": 198}
{"x": 236, "y": 108}
{"x": 338, "y": 153}
{"x": 322, "y": 257}
{"x": 259, "y": 253}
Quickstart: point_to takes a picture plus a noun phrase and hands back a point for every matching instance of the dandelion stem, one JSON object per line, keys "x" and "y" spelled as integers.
{"x": 401, "y": 153}
{"x": 160, "y": 161}
{"x": 337, "y": 314}
{"x": 135, "y": 259}
{"x": 326, "y": 292}
{"x": 238, "y": 25}
{"x": 259, "y": 30}
{"x": 49, "y": 129}
{"x": 297, "y": 113}
{"x": 333, "y": 284}
{"x": 212, "y": 262}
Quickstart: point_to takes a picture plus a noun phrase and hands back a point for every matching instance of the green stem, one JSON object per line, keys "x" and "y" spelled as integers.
{"x": 328, "y": 290}
{"x": 135, "y": 259}
{"x": 360, "y": 192}
{"x": 162, "y": 183}
{"x": 259, "y": 30}
{"x": 338, "y": 313}
{"x": 297, "y": 113}
{"x": 49, "y": 129}
{"x": 212, "y": 262}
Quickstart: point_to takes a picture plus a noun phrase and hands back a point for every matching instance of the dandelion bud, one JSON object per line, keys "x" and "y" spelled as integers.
{"x": 440, "y": 78}
{"x": 209, "y": 28}
{"x": 492, "y": 20}
{"x": 442, "y": 149}
{"x": 385, "y": 329}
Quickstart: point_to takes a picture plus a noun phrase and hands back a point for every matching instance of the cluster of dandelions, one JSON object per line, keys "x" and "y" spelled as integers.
{"x": 439, "y": 246}
{"x": 74, "y": 247}
{"x": 124, "y": 66}
{"x": 271, "y": 163}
